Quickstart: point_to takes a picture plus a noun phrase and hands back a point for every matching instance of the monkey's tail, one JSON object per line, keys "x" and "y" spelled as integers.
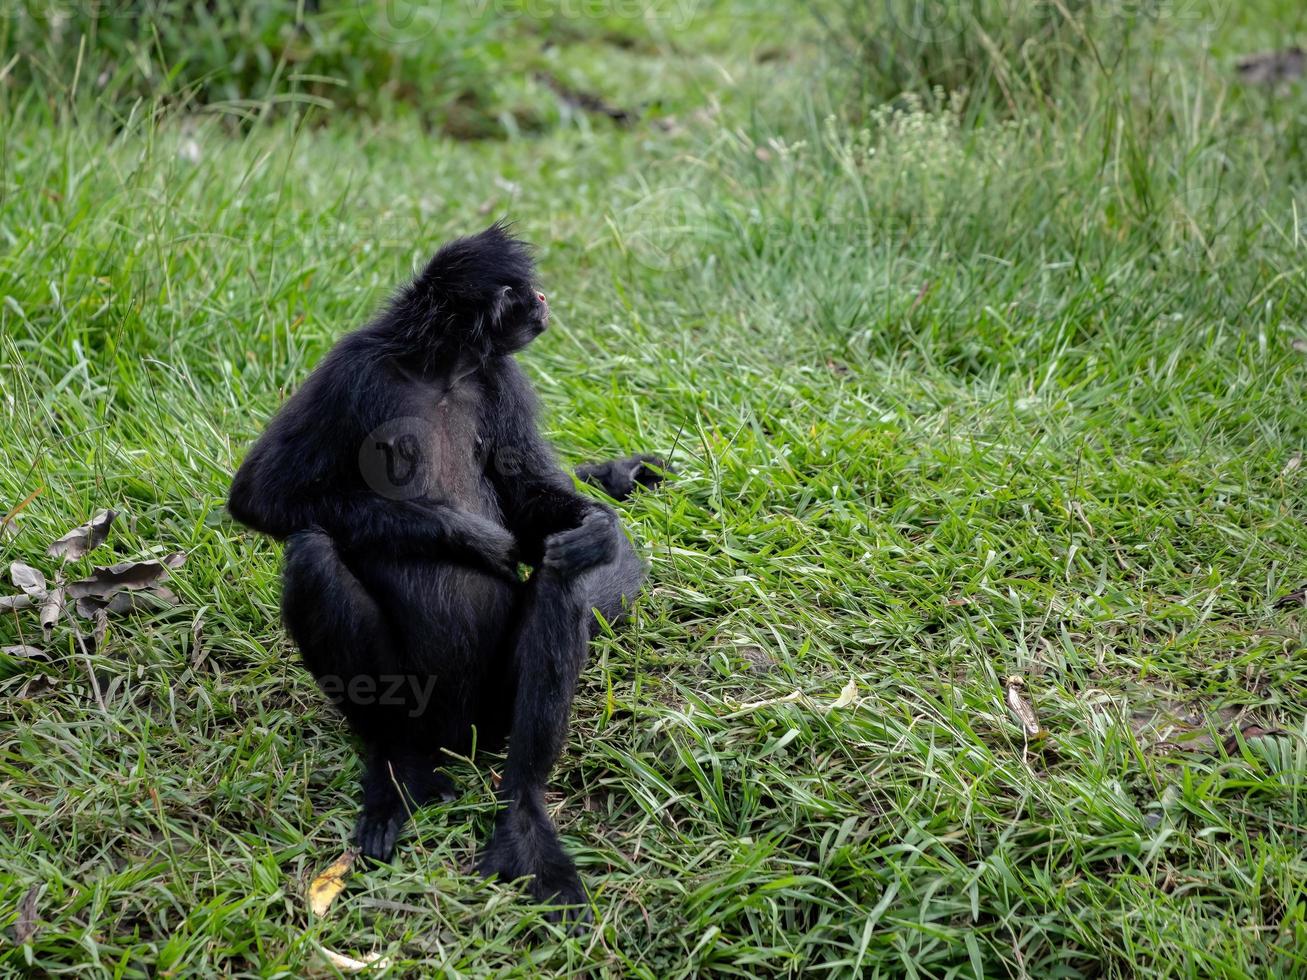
{"x": 619, "y": 477}
{"x": 332, "y": 618}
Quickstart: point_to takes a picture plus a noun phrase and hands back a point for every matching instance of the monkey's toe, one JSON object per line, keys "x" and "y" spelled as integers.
{"x": 376, "y": 834}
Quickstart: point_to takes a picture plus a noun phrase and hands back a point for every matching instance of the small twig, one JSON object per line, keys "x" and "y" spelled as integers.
{"x": 22, "y": 504}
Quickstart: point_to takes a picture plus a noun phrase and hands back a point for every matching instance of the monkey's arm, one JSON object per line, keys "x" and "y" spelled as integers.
{"x": 537, "y": 497}
{"x": 275, "y": 500}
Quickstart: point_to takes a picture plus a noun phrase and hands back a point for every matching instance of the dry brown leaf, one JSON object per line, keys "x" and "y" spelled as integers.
{"x": 145, "y": 600}
{"x": 81, "y": 540}
{"x": 757, "y": 658}
{"x": 27, "y": 578}
{"x": 1273, "y": 67}
{"x": 348, "y": 964}
{"x": 9, "y": 603}
{"x": 104, "y": 583}
{"x": 1298, "y": 597}
{"x": 326, "y": 886}
{"x": 1247, "y": 733}
{"x": 1021, "y": 708}
{"x": 51, "y": 609}
{"x": 25, "y": 927}
{"x": 23, "y": 650}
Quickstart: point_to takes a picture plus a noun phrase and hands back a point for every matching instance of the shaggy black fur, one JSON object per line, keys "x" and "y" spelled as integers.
{"x": 408, "y": 478}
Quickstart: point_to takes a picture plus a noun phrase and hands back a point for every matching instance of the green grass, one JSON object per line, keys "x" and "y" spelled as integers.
{"x": 955, "y": 394}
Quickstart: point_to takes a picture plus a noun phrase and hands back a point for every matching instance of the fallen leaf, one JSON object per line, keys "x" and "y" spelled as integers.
{"x": 23, "y": 650}
{"x": 1272, "y": 67}
{"x": 1021, "y": 708}
{"x": 1247, "y": 734}
{"x": 27, "y": 578}
{"x": 25, "y": 927}
{"x": 197, "y": 634}
{"x": 348, "y": 964}
{"x": 11, "y": 602}
{"x": 757, "y": 658}
{"x": 1298, "y": 597}
{"x": 51, "y": 608}
{"x": 81, "y": 540}
{"x": 104, "y": 583}
{"x": 847, "y": 696}
{"x": 326, "y": 886}
{"x": 146, "y": 600}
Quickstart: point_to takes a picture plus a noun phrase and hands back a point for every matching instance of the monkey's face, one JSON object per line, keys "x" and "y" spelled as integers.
{"x": 521, "y": 317}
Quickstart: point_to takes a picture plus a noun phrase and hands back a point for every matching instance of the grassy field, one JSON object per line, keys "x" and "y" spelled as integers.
{"x": 962, "y": 386}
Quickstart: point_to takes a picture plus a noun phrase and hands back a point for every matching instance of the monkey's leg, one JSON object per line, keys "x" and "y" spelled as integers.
{"x": 550, "y": 651}
{"x": 611, "y": 587}
{"x": 350, "y": 649}
{"x": 395, "y": 784}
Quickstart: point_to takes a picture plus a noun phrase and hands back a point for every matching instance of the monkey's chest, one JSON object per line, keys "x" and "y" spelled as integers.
{"x": 456, "y": 461}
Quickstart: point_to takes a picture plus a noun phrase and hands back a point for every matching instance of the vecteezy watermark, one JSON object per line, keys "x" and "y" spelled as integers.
{"x": 935, "y": 21}
{"x": 401, "y": 21}
{"x": 396, "y": 458}
{"x": 661, "y": 230}
{"x": 404, "y": 458}
{"x": 931, "y": 21}
{"x": 411, "y": 691}
{"x": 406, "y": 21}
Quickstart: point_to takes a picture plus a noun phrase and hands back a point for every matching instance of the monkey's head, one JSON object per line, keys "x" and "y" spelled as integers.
{"x": 479, "y": 295}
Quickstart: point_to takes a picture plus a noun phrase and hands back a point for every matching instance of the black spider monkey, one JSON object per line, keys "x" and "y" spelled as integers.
{"x": 408, "y": 478}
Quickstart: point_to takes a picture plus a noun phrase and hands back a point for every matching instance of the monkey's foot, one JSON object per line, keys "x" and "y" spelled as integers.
{"x": 377, "y": 830}
{"x": 526, "y": 846}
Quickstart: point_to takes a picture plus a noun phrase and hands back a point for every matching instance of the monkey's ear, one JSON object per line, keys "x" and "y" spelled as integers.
{"x": 500, "y": 300}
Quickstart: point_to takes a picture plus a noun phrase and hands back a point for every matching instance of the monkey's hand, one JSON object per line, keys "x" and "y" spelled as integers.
{"x": 592, "y": 542}
{"x": 486, "y": 545}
